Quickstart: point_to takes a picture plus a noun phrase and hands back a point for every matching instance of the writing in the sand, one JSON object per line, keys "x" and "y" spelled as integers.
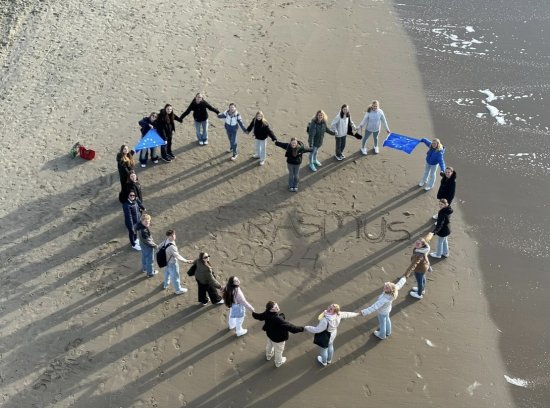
{"x": 293, "y": 237}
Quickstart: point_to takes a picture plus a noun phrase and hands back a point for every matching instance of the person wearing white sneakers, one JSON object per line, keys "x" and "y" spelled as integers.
{"x": 383, "y": 305}
{"x": 442, "y": 230}
{"x": 316, "y": 133}
{"x": 434, "y": 157}
{"x": 372, "y": 121}
{"x": 276, "y": 328}
{"x": 200, "y": 109}
{"x": 172, "y": 270}
{"x": 149, "y": 246}
{"x": 261, "y": 130}
{"x": 234, "y": 299}
{"x": 132, "y": 208}
{"x": 232, "y": 122}
{"x": 342, "y": 125}
{"x": 420, "y": 264}
{"x": 329, "y": 320}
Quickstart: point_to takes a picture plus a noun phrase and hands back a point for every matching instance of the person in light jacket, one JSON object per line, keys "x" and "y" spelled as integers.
{"x": 342, "y": 125}
{"x": 200, "y": 109}
{"x": 234, "y": 299}
{"x": 293, "y": 153}
{"x": 316, "y": 133}
{"x": 372, "y": 121}
{"x": 434, "y": 157}
{"x": 277, "y": 329}
{"x": 329, "y": 320}
{"x": 172, "y": 270}
{"x": 383, "y": 306}
{"x": 232, "y": 122}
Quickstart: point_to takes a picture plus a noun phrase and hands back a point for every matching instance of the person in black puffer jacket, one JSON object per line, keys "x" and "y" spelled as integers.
{"x": 277, "y": 329}
{"x": 166, "y": 127}
{"x": 294, "y": 151}
{"x": 442, "y": 230}
{"x": 200, "y": 109}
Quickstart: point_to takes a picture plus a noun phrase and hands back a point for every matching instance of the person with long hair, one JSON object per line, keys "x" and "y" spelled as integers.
{"x": 372, "y": 121}
{"x": 148, "y": 246}
{"x": 342, "y": 125}
{"x": 233, "y": 120}
{"x": 172, "y": 269}
{"x": 383, "y": 306}
{"x": 329, "y": 320}
{"x": 293, "y": 153}
{"x": 260, "y": 127}
{"x": 234, "y": 299}
{"x": 316, "y": 133}
{"x": 434, "y": 157}
{"x": 442, "y": 229}
{"x": 132, "y": 209}
{"x": 166, "y": 127}
{"x": 200, "y": 109}
{"x": 447, "y": 188}
{"x": 132, "y": 185}
{"x": 420, "y": 264}
{"x": 277, "y": 329}
{"x": 146, "y": 124}
{"x": 208, "y": 285}
{"x": 125, "y": 164}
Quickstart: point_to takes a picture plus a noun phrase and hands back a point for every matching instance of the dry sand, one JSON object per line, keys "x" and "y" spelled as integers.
{"x": 80, "y": 324}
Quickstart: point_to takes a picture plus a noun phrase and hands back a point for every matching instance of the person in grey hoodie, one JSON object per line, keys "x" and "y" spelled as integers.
{"x": 383, "y": 305}
{"x": 329, "y": 320}
{"x": 372, "y": 121}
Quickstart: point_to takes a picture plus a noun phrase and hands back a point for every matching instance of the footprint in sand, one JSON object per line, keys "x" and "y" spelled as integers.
{"x": 366, "y": 390}
{"x": 452, "y": 301}
{"x": 410, "y": 386}
{"x": 190, "y": 370}
{"x": 176, "y": 344}
{"x": 456, "y": 286}
{"x": 417, "y": 360}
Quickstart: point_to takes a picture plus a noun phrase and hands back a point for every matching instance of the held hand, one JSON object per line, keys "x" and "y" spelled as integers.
{"x": 429, "y": 236}
{"x": 388, "y": 131}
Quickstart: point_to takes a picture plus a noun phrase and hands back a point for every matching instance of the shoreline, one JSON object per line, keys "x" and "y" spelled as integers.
{"x": 96, "y": 333}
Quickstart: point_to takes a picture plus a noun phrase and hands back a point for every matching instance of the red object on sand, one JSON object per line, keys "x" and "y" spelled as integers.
{"x": 86, "y": 154}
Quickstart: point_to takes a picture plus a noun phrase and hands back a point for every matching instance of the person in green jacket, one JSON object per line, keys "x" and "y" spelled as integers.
{"x": 316, "y": 131}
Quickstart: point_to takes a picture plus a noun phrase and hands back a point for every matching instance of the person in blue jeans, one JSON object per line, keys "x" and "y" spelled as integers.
{"x": 434, "y": 157}
{"x": 146, "y": 124}
{"x": 442, "y": 230}
{"x": 294, "y": 151}
{"x": 372, "y": 121}
{"x": 200, "y": 109}
{"x": 383, "y": 305}
{"x": 420, "y": 264}
{"x": 232, "y": 122}
{"x": 172, "y": 270}
{"x": 132, "y": 209}
{"x": 316, "y": 133}
{"x": 148, "y": 246}
{"x": 329, "y": 320}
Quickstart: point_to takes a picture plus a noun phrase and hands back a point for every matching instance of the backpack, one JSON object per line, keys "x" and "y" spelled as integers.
{"x": 161, "y": 255}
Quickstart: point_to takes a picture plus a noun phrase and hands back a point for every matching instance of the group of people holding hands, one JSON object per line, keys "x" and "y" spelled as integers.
{"x": 209, "y": 288}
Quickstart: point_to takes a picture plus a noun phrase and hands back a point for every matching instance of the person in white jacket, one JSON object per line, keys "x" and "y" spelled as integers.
{"x": 372, "y": 121}
{"x": 232, "y": 122}
{"x": 341, "y": 126}
{"x": 234, "y": 299}
{"x": 383, "y": 305}
{"x": 329, "y": 320}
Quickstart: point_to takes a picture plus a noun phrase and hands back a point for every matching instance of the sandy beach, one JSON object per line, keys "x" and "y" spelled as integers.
{"x": 81, "y": 326}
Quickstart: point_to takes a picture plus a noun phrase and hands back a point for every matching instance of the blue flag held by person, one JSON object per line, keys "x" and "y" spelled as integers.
{"x": 401, "y": 142}
{"x": 151, "y": 139}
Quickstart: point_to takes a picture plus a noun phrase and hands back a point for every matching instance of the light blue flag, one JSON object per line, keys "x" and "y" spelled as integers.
{"x": 151, "y": 139}
{"x": 401, "y": 142}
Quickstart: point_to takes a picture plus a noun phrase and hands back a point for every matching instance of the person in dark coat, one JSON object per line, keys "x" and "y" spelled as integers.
{"x": 200, "y": 109}
{"x": 132, "y": 209}
{"x": 261, "y": 130}
{"x": 166, "y": 127}
{"x": 442, "y": 230}
{"x": 293, "y": 153}
{"x": 148, "y": 246}
{"x": 316, "y": 133}
{"x": 276, "y": 329}
{"x": 448, "y": 186}
{"x": 207, "y": 284}
{"x": 146, "y": 124}
{"x": 133, "y": 185}
{"x": 125, "y": 164}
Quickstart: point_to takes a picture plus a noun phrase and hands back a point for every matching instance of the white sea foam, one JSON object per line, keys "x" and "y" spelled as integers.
{"x": 490, "y": 96}
{"x": 472, "y": 387}
{"x": 429, "y": 343}
{"x": 517, "y": 381}
{"x": 470, "y": 29}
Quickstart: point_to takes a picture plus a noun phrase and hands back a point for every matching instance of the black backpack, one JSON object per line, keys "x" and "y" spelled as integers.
{"x": 161, "y": 255}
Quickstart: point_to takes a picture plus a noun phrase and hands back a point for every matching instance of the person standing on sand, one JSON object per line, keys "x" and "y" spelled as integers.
{"x": 442, "y": 230}
{"x": 172, "y": 270}
{"x": 134, "y": 185}
{"x": 316, "y": 133}
{"x": 420, "y": 264}
{"x": 132, "y": 209}
{"x": 276, "y": 328}
{"x": 232, "y": 122}
{"x": 447, "y": 187}
{"x": 383, "y": 305}
{"x": 200, "y": 109}
{"x": 372, "y": 121}
{"x": 125, "y": 164}
{"x": 166, "y": 127}
{"x": 294, "y": 151}
{"x": 342, "y": 125}
{"x": 329, "y": 320}
{"x": 434, "y": 157}
{"x": 234, "y": 299}
{"x": 260, "y": 127}
{"x": 207, "y": 283}
{"x": 146, "y": 124}
{"x": 148, "y": 246}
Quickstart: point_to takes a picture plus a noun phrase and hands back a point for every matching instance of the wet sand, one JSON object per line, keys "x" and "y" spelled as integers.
{"x": 81, "y": 326}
